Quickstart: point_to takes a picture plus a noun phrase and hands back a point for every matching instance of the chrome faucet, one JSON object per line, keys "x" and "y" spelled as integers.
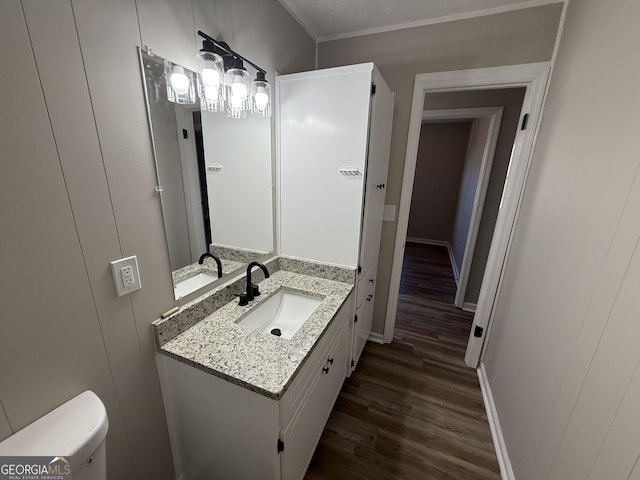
{"x": 218, "y": 262}
{"x": 252, "y": 290}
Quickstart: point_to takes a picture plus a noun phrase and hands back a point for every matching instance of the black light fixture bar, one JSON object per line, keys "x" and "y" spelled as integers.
{"x": 225, "y": 48}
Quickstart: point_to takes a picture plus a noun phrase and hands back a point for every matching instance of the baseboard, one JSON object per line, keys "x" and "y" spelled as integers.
{"x": 506, "y": 470}
{"x": 469, "y": 307}
{"x": 440, "y": 243}
{"x": 426, "y": 241}
{"x": 376, "y": 338}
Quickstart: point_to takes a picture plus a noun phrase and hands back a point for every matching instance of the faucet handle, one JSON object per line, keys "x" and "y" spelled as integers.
{"x": 243, "y": 299}
{"x": 255, "y": 290}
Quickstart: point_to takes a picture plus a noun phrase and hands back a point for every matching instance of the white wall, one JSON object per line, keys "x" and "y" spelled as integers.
{"x": 564, "y": 350}
{"x": 77, "y": 191}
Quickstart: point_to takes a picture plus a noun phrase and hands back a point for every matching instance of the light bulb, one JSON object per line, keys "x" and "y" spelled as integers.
{"x": 210, "y": 77}
{"x": 238, "y": 89}
{"x": 236, "y": 102}
{"x": 179, "y": 80}
{"x": 211, "y": 93}
{"x": 261, "y": 98}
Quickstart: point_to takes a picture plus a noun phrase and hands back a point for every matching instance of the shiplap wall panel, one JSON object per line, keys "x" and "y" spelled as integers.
{"x": 622, "y": 444}
{"x": 608, "y": 381}
{"x": 635, "y": 474}
{"x": 113, "y": 75}
{"x": 167, "y": 27}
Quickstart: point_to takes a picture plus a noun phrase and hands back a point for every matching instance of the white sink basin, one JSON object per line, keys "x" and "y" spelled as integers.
{"x": 191, "y": 284}
{"x": 284, "y": 310}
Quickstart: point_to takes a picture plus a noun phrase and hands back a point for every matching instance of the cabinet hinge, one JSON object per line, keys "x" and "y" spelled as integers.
{"x": 373, "y": 89}
{"x": 352, "y": 363}
{"x": 355, "y": 319}
{"x": 280, "y": 446}
{"x": 478, "y": 331}
{"x": 185, "y": 134}
{"x": 359, "y": 269}
{"x": 525, "y": 120}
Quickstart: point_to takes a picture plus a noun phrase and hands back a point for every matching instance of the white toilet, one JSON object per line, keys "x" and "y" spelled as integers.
{"x": 75, "y": 430}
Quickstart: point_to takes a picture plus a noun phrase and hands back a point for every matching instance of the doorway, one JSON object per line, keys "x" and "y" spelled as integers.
{"x": 533, "y": 78}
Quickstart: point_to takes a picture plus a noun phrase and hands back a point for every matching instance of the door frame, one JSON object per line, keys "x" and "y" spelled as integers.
{"x": 494, "y": 114}
{"x": 532, "y": 76}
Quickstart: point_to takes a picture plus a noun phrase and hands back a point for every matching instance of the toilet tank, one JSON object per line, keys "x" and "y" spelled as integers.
{"x": 75, "y": 430}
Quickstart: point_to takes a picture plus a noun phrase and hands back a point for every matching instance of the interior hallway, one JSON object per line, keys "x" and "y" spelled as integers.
{"x": 412, "y": 409}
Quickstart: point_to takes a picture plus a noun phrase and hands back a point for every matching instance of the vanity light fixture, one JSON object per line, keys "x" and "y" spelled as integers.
{"x": 211, "y": 85}
{"x": 225, "y": 84}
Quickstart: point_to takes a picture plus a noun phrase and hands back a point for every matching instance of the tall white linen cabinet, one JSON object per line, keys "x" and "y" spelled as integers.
{"x": 333, "y": 140}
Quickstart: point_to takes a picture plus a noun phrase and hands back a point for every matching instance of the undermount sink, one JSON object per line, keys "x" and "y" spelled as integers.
{"x": 282, "y": 314}
{"x": 191, "y": 284}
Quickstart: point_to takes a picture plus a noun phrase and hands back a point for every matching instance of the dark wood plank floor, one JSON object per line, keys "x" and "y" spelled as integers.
{"x": 412, "y": 409}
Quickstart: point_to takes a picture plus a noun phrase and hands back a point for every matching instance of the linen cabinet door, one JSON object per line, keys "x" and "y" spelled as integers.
{"x": 322, "y": 143}
{"x": 380, "y": 123}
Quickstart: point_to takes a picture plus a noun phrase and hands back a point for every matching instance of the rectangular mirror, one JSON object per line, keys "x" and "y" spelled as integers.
{"x": 215, "y": 183}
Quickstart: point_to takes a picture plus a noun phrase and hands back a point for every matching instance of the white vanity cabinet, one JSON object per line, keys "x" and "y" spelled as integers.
{"x": 220, "y": 430}
{"x": 333, "y": 140}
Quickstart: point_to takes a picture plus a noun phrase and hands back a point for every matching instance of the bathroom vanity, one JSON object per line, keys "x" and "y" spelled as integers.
{"x": 243, "y": 403}
{"x": 246, "y": 394}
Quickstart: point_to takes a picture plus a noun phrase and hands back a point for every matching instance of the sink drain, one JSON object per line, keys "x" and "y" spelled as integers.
{"x": 276, "y": 332}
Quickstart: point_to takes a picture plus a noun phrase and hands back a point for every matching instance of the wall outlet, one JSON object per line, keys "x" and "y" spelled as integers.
{"x": 126, "y": 276}
{"x": 389, "y": 214}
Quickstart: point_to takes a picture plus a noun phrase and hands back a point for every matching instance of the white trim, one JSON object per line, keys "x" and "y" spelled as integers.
{"x": 494, "y": 114}
{"x": 440, "y": 243}
{"x": 534, "y": 77}
{"x": 376, "y": 338}
{"x": 469, "y": 307}
{"x": 432, "y": 21}
{"x": 436, "y": 116}
{"x": 506, "y": 470}
{"x": 428, "y": 241}
{"x": 556, "y": 48}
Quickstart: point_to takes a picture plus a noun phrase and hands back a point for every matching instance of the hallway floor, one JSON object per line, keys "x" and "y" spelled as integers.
{"x": 412, "y": 409}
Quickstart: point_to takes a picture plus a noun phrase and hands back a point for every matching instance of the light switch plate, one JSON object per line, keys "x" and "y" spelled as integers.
{"x": 126, "y": 276}
{"x": 389, "y": 214}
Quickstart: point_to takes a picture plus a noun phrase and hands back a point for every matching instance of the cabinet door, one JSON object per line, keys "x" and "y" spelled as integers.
{"x": 381, "y": 120}
{"x": 301, "y": 435}
{"x": 322, "y": 128}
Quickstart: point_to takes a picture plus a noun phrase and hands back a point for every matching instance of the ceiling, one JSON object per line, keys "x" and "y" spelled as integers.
{"x": 332, "y": 19}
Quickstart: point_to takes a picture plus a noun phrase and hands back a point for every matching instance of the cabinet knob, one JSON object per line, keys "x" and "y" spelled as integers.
{"x": 325, "y": 370}
{"x": 330, "y": 361}
{"x": 371, "y": 280}
{"x": 380, "y": 186}
{"x": 369, "y": 297}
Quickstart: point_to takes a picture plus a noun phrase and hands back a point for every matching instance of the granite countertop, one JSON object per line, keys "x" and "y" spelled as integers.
{"x": 257, "y": 360}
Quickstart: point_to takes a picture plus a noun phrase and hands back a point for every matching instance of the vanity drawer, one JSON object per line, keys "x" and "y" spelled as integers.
{"x": 366, "y": 282}
{"x": 305, "y": 378}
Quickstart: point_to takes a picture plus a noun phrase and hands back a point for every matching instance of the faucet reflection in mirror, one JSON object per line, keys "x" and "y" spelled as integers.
{"x": 222, "y": 81}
